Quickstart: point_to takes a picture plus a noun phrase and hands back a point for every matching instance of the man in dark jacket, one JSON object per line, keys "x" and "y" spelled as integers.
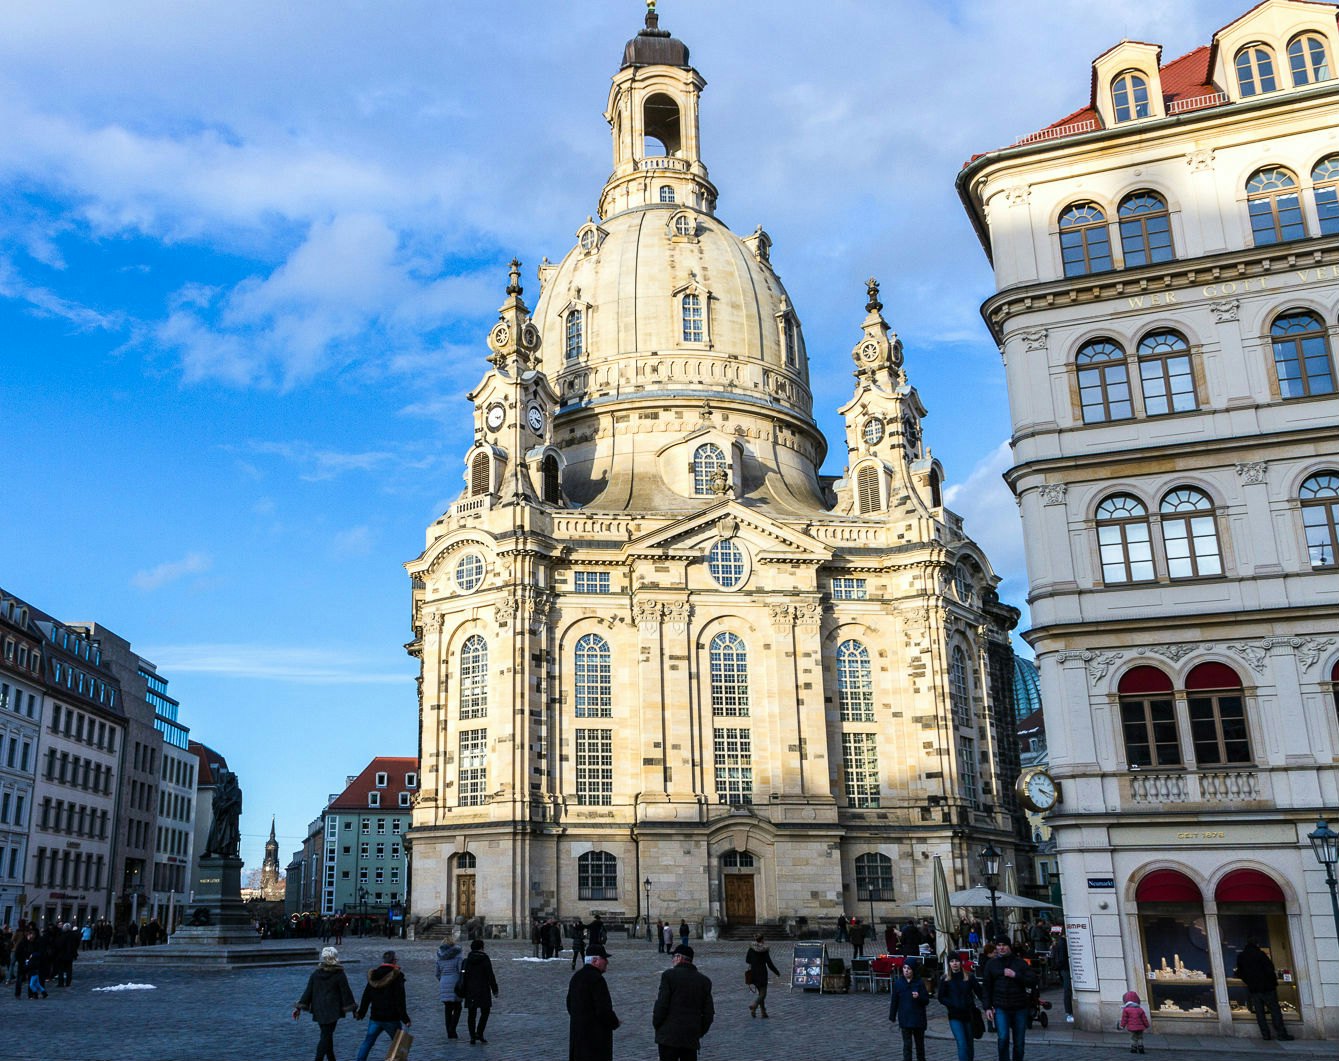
{"x": 578, "y": 942}
{"x": 591, "y": 1011}
{"x": 1256, "y": 971}
{"x": 383, "y": 998}
{"x": 1008, "y": 982}
{"x": 683, "y": 1011}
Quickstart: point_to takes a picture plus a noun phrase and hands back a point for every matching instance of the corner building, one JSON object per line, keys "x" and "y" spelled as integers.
{"x": 1167, "y": 271}
{"x": 656, "y": 644}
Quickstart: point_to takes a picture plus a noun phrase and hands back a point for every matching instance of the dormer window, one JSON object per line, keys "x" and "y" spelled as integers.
{"x": 374, "y": 799}
{"x": 1255, "y": 70}
{"x": 381, "y": 780}
{"x": 683, "y": 224}
{"x": 867, "y": 490}
{"x": 411, "y": 780}
{"x": 1129, "y": 93}
{"x": 479, "y": 474}
{"x": 666, "y": 194}
{"x": 574, "y": 335}
{"x": 404, "y": 799}
{"x": 1308, "y": 59}
{"x": 708, "y": 460}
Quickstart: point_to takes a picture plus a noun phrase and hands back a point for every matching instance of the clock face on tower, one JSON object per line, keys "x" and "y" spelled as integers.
{"x": 535, "y": 418}
{"x": 495, "y": 416}
{"x": 1037, "y": 790}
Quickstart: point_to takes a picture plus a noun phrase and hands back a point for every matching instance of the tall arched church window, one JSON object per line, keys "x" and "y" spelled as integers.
{"x": 874, "y": 878}
{"x": 1148, "y": 719}
{"x": 666, "y": 194}
{"x": 1145, "y": 229}
{"x": 593, "y": 693}
{"x": 1319, "y": 497}
{"x": 855, "y": 682}
{"x": 1104, "y": 382}
{"x": 597, "y": 876}
{"x": 729, "y": 675}
{"x": 708, "y": 459}
{"x": 1123, "y": 540}
{"x": 693, "y": 330}
{"x": 1217, "y": 707}
{"x": 1308, "y": 59}
{"x": 1255, "y": 70}
{"x": 1274, "y": 207}
{"x": 867, "y": 490}
{"x": 959, "y": 692}
{"x": 479, "y": 469}
{"x": 936, "y": 492}
{"x": 575, "y": 335}
{"x": 1190, "y": 534}
{"x": 1302, "y": 359}
{"x": 553, "y": 487}
{"x": 1085, "y": 245}
{"x": 474, "y": 677}
{"x": 1166, "y": 376}
{"x": 1325, "y": 187}
{"x": 1129, "y": 93}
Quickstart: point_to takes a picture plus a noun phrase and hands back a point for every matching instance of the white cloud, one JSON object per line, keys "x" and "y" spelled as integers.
{"x": 286, "y": 663}
{"x": 990, "y": 516}
{"x": 355, "y": 541}
{"x": 172, "y": 570}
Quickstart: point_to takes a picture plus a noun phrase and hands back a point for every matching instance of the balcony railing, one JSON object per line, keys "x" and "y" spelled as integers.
{"x": 1088, "y": 125}
{"x": 1194, "y": 103}
{"x": 1209, "y": 786}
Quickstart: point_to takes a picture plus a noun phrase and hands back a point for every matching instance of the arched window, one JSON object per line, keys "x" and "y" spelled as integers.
{"x": 1123, "y": 540}
{"x": 594, "y": 688}
{"x": 729, "y": 670}
{"x": 1302, "y": 355}
{"x": 553, "y": 487}
{"x": 1190, "y": 534}
{"x": 660, "y": 122}
{"x": 575, "y": 335}
{"x": 855, "y": 682}
{"x": 666, "y": 194}
{"x": 1145, "y": 229}
{"x": 936, "y": 495}
{"x": 597, "y": 876}
{"x": 466, "y": 860}
{"x": 726, "y": 564}
{"x": 1148, "y": 719}
{"x": 962, "y": 584}
{"x": 1255, "y": 70}
{"x": 1325, "y": 187}
{"x": 708, "y": 459}
{"x": 1129, "y": 92}
{"x": 479, "y": 474}
{"x": 867, "y": 490}
{"x": 1104, "y": 382}
{"x": 1165, "y": 374}
{"x": 684, "y": 225}
{"x": 791, "y": 340}
{"x": 736, "y": 860}
{"x": 474, "y": 677}
{"x": 692, "y": 318}
{"x": 874, "y": 878}
{"x": 1085, "y": 246}
{"x": 1320, "y": 517}
{"x": 1274, "y": 207}
{"x": 1217, "y": 708}
{"x": 1309, "y": 59}
{"x": 959, "y": 693}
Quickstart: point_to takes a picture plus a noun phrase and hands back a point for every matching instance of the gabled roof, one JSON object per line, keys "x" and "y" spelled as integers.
{"x": 209, "y": 759}
{"x": 687, "y": 531}
{"x": 354, "y": 796}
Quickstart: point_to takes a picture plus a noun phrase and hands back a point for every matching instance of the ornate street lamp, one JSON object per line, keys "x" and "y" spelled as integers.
{"x": 990, "y": 872}
{"x": 1325, "y": 843}
{"x": 647, "y": 885}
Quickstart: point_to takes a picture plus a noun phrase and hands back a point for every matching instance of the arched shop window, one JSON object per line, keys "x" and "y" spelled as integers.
{"x": 1251, "y": 906}
{"x": 1178, "y": 965}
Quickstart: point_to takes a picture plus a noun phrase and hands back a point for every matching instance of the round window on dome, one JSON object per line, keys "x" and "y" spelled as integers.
{"x": 469, "y": 572}
{"x": 683, "y": 225}
{"x": 727, "y": 564}
{"x": 873, "y": 431}
{"x": 588, "y": 239}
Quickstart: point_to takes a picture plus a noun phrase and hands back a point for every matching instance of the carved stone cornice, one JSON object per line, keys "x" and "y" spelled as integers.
{"x": 1053, "y": 493}
{"x": 1251, "y": 473}
{"x": 1256, "y": 653}
{"x": 1096, "y": 663}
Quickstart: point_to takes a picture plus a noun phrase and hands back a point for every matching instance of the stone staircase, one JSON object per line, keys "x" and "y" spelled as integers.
{"x": 749, "y": 932}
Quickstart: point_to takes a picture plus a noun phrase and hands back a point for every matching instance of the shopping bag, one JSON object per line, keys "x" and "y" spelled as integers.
{"x": 400, "y": 1046}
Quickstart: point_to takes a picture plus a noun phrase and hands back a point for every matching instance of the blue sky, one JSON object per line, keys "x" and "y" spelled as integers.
{"x": 249, "y": 254}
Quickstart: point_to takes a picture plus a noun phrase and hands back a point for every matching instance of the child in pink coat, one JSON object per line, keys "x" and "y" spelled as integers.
{"x": 1134, "y": 1020}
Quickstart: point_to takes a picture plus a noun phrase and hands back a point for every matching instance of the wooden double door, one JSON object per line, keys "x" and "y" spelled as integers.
{"x": 464, "y": 894}
{"x": 740, "y": 907}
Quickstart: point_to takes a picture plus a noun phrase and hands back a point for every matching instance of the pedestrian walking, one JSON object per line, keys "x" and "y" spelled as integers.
{"x": 908, "y": 1009}
{"x": 449, "y": 960}
{"x": 857, "y": 934}
{"x": 667, "y": 934}
{"x": 596, "y": 932}
{"x": 1058, "y": 959}
{"x": 683, "y": 1011}
{"x": 384, "y": 1000}
{"x": 1134, "y": 1020}
{"x": 591, "y": 1017}
{"x": 578, "y": 942}
{"x": 480, "y": 987}
{"x": 327, "y": 997}
{"x": 960, "y": 991}
{"x": 1007, "y": 983}
{"x": 759, "y": 960}
{"x": 1256, "y": 970}
{"x": 660, "y": 937}
{"x": 683, "y": 933}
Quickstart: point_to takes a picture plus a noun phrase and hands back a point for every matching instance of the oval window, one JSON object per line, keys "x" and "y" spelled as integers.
{"x": 469, "y": 572}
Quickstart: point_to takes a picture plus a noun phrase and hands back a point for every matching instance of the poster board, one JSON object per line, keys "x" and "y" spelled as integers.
{"x": 808, "y": 965}
{"x": 1082, "y": 962}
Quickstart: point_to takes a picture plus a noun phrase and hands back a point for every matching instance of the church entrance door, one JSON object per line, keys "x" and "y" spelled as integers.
{"x": 739, "y": 907}
{"x": 465, "y": 895}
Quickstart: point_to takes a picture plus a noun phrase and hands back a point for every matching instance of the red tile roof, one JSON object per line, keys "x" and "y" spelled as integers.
{"x": 354, "y": 796}
{"x": 209, "y": 758}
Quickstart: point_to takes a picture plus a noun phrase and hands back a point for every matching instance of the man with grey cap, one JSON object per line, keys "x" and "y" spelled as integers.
{"x": 593, "y": 1020}
{"x": 683, "y": 1012}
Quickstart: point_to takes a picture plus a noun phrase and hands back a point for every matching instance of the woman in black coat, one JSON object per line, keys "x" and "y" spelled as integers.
{"x": 759, "y": 959}
{"x": 960, "y": 992}
{"x": 328, "y": 997}
{"x": 480, "y": 988}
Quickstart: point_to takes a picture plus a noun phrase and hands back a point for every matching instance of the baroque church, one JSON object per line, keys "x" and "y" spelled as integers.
{"x": 669, "y": 669}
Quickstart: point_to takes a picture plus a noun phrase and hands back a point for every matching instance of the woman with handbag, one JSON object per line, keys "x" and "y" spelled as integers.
{"x": 759, "y": 960}
{"x": 960, "y": 991}
{"x": 448, "y": 979}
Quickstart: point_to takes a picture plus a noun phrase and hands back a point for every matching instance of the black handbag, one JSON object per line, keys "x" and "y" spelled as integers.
{"x": 978, "y": 1024}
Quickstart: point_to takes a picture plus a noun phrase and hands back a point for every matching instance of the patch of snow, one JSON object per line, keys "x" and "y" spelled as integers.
{"x": 128, "y": 987}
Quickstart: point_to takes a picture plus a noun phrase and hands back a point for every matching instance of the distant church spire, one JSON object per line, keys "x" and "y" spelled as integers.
{"x": 271, "y": 886}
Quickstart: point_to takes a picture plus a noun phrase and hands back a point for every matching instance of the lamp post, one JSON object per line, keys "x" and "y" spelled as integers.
{"x": 874, "y": 895}
{"x": 362, "y": 910}
{"x": 1325, "y": 843}
{"x": 990, "y": 872}
{"x": 647, "y": 885}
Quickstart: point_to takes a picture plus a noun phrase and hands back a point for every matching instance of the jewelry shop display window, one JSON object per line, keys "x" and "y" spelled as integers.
{"x": 1177, "y": 962}
{"x": 1251, "y": 907}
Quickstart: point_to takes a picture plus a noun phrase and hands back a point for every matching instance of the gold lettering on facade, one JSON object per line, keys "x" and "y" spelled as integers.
{"x": 1201, "y": 836}
{"x": 1235, "y": 287}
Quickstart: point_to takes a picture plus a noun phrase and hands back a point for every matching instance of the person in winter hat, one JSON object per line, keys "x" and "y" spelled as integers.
{"x": 1134, "y": 1020}
{"x": 910, "y": 997}
{"x": 449, "y": 957}
{"x": 328, "y": 997}
{"x": 383, "y": 998}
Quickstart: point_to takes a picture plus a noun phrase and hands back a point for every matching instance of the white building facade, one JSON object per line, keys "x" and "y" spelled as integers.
{"x": 21, "y": 702}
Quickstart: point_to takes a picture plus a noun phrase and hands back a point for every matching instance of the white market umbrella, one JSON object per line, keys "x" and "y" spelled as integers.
{"x": 943, "y": 912}
{"x": 979, "y": 897}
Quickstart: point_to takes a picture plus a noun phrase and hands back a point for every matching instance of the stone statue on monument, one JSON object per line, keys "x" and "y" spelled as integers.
{"x": 225, "y": 837}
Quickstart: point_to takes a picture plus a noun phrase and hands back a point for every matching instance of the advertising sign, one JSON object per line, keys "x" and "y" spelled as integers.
{"x": 1082, "y": 963}
{"x": 806, "y": 968}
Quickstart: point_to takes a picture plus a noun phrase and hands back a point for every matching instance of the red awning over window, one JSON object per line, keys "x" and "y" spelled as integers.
{"x": 1144, "y": 680}
{"x": 1248, "y": 886}
{"x": 1167, "y": 886}
{"x": 1213, "y": 676}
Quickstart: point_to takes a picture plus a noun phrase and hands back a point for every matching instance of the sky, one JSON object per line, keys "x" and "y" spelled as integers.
{"x": 249, "y": 254}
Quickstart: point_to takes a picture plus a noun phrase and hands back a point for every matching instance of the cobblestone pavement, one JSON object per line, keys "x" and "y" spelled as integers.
{"x": 245, "y": 1016}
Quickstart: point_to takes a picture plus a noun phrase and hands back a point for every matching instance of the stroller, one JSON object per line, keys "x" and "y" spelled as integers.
{"x": 1037, "y": 1007}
